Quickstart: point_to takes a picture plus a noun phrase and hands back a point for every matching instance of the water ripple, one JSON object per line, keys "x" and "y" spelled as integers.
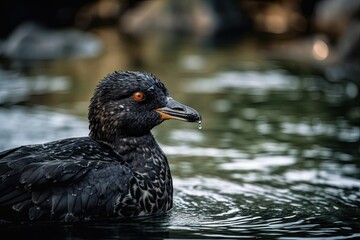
{"x": 249, "y": 208}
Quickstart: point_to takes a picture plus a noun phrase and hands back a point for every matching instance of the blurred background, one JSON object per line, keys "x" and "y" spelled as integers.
{"x": 71, "y": 43}
{"x": 276, "y": 81}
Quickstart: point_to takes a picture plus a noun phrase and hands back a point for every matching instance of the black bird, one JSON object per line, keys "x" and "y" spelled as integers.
{"x": 119, "y": 170}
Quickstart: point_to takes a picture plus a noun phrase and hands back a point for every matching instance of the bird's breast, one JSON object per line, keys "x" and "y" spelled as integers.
{"x": 150, "y": 188}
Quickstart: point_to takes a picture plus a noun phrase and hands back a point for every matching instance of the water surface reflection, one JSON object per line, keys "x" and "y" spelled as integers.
{"x": 278, "y": 156}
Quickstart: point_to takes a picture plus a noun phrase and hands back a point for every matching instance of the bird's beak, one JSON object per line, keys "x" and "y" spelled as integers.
{"x": 176, "y": 110}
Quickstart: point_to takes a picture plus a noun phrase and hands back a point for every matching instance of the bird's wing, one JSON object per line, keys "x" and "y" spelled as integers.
{"x": 68, "y": 187}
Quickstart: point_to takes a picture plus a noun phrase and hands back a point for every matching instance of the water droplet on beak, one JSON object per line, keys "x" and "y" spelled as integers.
{"x": 199, "y": 125}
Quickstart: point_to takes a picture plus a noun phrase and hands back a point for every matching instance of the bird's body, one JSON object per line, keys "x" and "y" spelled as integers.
{"x": 119, "y": 170}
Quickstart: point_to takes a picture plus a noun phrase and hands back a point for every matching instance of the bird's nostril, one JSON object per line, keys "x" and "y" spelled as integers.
{"x": 175, "y": 106}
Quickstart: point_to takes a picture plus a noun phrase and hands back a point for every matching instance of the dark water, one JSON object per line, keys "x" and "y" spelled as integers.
{"x": 277, "y": 157}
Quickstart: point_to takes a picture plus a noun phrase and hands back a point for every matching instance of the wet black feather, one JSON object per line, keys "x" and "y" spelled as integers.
{"x": 103, "y": 175}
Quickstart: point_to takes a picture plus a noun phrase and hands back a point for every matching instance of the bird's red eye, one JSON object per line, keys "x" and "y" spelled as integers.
{"x": 139, "y": 96}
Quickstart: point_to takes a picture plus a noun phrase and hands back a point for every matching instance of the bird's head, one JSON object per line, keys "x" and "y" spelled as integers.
{"x": 131, "y": 104}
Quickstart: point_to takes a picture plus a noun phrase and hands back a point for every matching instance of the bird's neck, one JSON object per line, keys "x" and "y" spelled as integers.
{"x": 127, "y": 144}
{"x": 139, "y": 150}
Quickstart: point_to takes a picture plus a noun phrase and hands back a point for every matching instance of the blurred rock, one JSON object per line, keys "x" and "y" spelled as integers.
{"x": 276, "y": 17}
{"x": 339, "y": 21}
{"x": 334, "y": 16}
{"x": 205, "y": 18}
{"x": 30, "y": 41}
